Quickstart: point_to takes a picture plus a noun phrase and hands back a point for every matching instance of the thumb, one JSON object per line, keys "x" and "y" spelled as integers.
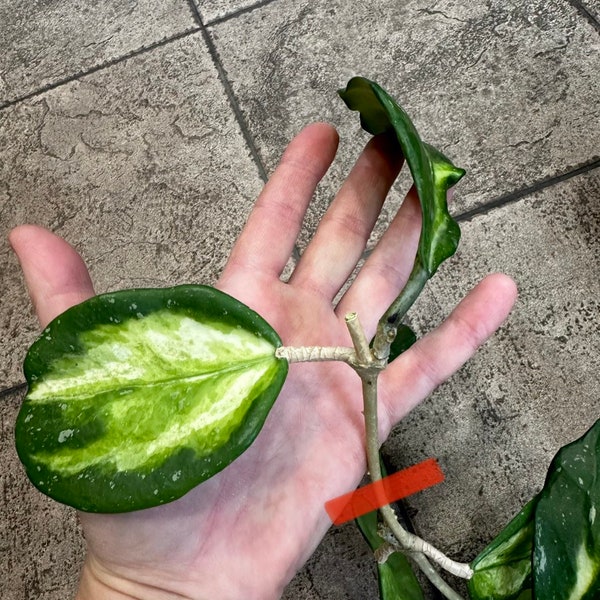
{"x": 55, "y": 274}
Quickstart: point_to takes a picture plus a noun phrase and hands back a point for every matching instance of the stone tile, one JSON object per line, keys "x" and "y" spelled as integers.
{"x": 40, "y": 543}
{"x": 508, "y": 90}
{"x": 141, "y": 166}
{"x": 45, "y": 42}
{"x": 341, "y": 568}
{"x": 593, "y": 8}
{"x": 212, "y": 10}
{"x": 533, "y": 388}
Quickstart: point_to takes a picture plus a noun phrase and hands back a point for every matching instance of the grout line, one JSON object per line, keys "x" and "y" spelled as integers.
{"x": 579, "y": 7}
{"x": 222, "y": 74}
{"x": 526, "y": 191}
{"x": 239, "y": 12}
{"x": 100, "y": 67}
{"x": 195, "y": 13}
{"x": 15, "y": 388}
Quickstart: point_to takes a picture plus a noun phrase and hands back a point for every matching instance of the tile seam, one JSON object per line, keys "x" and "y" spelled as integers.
{"x": 233, "y": 103}
{"x": 584, "y": 12}
{"x": 99, "y": 67}
{"x": 235, "y": 107}
{"x": 11, "y": 389}
{"x": 239, "y": 12}
{"x": 519, "y": 194}
{"x": 228, "y": 89}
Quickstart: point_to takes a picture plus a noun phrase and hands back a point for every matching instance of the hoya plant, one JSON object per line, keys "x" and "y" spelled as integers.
{"x": 137, "y": 396}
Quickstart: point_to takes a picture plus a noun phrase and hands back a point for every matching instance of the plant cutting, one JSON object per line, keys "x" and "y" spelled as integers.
{"x": 137, "y": 397}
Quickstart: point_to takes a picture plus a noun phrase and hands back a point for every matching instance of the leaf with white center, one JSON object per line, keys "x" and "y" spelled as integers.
{"x": 136, "y": 397}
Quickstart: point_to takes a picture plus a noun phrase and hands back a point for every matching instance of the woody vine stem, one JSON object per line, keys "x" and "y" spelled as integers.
{"x": 368, "y": 366}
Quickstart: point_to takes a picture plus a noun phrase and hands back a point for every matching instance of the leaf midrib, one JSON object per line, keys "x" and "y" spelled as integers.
{"x": 134, "y": 385}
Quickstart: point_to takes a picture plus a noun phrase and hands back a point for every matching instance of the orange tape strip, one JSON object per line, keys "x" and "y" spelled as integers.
{"x": 385, "y": 491}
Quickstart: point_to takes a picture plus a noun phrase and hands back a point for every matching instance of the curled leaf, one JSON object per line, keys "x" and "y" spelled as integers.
{"x": 503, "y": 570}
{"x": 432, "y": 172}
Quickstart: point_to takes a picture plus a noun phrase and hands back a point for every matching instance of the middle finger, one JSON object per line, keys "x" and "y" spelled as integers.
{"x": 343, "y": 233}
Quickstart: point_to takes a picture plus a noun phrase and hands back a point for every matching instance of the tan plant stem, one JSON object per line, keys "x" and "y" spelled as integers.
{"x": 390, "y": 321}
{"x": 359, "y": 339}
{"x": 316, "y": 353}
{"x": 368, "y": 366}
{"x": 391, "y": 545}
{"x": 369, "y": 369}
{"x": 435, "y": 578}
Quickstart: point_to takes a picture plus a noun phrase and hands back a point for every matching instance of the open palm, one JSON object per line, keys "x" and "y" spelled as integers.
{"x": 245, "y": 532}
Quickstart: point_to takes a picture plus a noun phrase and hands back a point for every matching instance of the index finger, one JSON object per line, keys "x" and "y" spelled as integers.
{"x": 55, "y": 275}
{"x": 267, "y": 241}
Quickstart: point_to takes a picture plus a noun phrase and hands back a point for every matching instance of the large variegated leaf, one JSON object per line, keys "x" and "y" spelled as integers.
{"x": 135, "y": 397}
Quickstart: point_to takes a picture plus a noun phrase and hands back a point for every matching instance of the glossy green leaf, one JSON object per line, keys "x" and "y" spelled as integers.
{"x": 135, "y": 397}
{"x": 503, "y": 570}
{"x": 567, "y": 524}
{"x": 432, "y": 172}
{"x": 397, "y": 580}
{"x": 405, "y": 338}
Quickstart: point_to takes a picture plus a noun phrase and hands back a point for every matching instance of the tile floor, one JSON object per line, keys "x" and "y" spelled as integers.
{"x": 143, "y": 131}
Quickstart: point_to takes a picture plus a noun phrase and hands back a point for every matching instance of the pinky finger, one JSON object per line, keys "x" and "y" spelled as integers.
{"x": 439, "y": 354}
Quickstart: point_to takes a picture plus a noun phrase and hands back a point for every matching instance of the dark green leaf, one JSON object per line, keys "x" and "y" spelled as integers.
{"x": 567, "y": 524}
{"x": 397, "y": 580}
{"x": 503, "y": 570}
{"x": 136, "y": 397}
{"x": 432, "y": 172}
{"x": 404, "y": 339}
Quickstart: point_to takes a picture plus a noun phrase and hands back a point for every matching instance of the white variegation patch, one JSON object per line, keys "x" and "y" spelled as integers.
{"x": 157, "y": 348}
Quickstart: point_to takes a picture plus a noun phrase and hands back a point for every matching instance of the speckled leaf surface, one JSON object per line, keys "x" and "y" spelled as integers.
{"x": 567, "y": 524}
{"x": 503, "y": 570}
{"x": 135, "y": 397}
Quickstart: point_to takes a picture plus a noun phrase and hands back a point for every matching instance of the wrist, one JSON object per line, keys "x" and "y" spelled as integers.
{"x": 98, "y": 584}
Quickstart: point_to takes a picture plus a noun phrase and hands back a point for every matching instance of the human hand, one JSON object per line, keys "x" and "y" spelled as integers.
{"x": 245, "y": 532}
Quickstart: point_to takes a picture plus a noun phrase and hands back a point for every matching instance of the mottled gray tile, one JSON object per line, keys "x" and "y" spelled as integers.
{"x": 592, "y": 8}
{"x": 42, "y": 43}
{"x": 533, "y": 388}
{"x": 342, "y": 568}
{"x": 141, "y": 166}
{"x": 40, "y": 543}
{"x": 212, "y": 10}
{"x": 509, "y": 90}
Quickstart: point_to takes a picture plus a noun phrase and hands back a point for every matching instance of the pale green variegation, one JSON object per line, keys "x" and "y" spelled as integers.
{"x": 120, "y": 389}
{"x": 503, "y": 570}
